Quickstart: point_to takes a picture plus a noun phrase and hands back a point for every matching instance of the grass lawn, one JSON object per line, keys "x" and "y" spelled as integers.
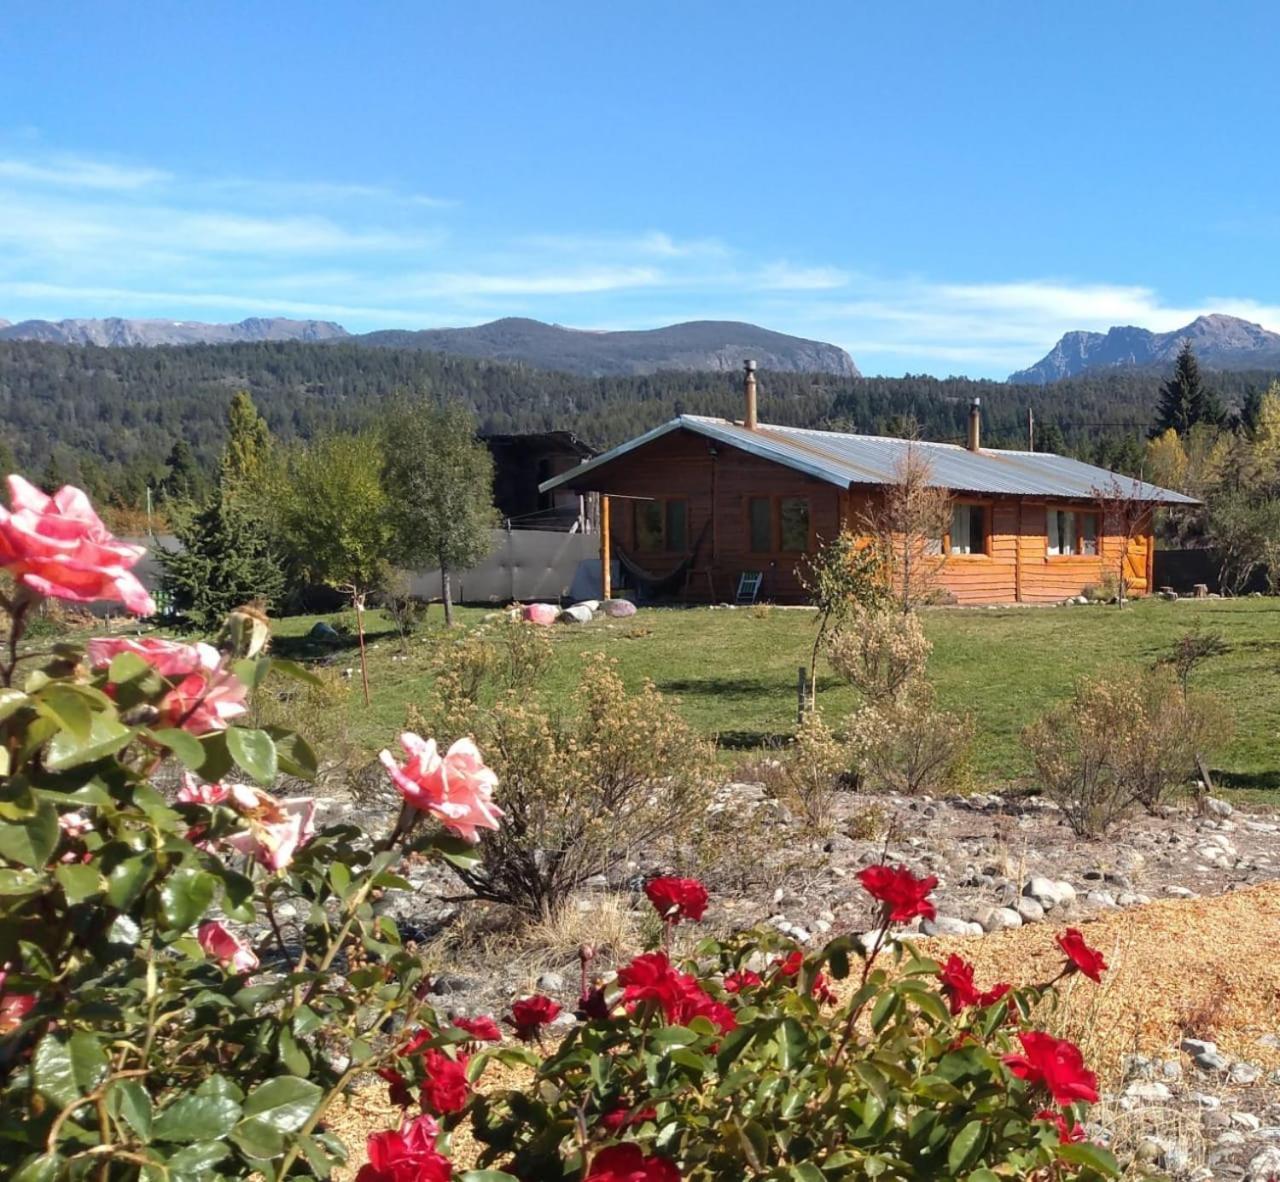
{"x": 734, "y": 672}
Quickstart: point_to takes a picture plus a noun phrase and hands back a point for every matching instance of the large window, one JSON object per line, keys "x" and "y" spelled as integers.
{"x": 662, "y": 525}
{"x": 968, "y": 529}
{"x": 1071, "y": 532}
{"x": 793, "y": 525}
{"x": 778, "y": 525}
{"x": 760, "y": 512}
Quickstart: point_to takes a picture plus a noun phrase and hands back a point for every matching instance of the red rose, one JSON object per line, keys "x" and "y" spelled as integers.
{"x": 58, "y": 546}
{"x": 14, "y": 1007}
{"x": 903, "y": 894}
{"x": 622, "y": 1117}
{"x": 445, "y": 1088}
{"x": 481, "y": 1029}
{"x": 957, "y": 984}
{"x": 530, "y": 1014}
{"x": 651, "y": 978}
{"x": 1056, "y": 1064}
{"x": 1080, "y": 956}
{"x": 820, "y": 989}
{"x": 740, "y": 980}
{"x": 593, "y": 1005}
{"x": 1067, "y": 1134}
{"x": 677, "y": 898}
{"x": 628, "y": 1163}
{"x": 406, "y": 1156}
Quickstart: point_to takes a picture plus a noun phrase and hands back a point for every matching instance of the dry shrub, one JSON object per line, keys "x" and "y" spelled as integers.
{"x": 604, "y": 921}
{"x": 868, "y": 823}
{"x": 882, "y": 654}
{"x": 905, "y": 744}
{"x": 1128, "y": 739}
{"x": 807, "y": 777}
{"x": 317, "y": 710}
{"x": 584, "y": 790}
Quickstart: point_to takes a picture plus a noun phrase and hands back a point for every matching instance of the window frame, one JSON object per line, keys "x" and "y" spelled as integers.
{"x": 664, "y": 518}
{"x": 774, "y": 501}
{"x": 988, "y": 516}
{"x": 1081, "y": 513}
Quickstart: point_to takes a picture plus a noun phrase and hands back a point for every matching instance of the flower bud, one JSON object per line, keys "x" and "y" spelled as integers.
{"x": 246, "y": 632}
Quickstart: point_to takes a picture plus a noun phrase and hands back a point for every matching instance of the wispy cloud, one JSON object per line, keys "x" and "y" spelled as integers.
{"x": 75, "y": 173}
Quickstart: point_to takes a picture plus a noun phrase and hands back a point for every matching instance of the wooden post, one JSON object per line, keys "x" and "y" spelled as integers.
{"x": 606, "y": 575}
{"x": 802, "y": 693}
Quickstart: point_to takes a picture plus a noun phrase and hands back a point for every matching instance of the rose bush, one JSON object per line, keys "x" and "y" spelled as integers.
{"x": 187, "y": 985}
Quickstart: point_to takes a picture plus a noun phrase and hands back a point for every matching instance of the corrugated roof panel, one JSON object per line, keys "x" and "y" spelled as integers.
{"x": 844, "y": 459}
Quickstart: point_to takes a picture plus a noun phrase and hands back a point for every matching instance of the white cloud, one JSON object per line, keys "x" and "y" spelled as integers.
{"x": 75, "y": 173}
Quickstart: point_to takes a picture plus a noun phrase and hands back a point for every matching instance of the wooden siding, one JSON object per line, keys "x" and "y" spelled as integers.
{"x": 717, "y": 482}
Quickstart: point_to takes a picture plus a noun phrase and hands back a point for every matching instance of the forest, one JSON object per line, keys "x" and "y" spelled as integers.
{"x": 118, "y": 421}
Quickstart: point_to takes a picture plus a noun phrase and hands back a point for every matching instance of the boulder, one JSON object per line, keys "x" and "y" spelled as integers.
{"x": 324, "y": 632}
{"x": 618, "y": 609}
{"x": 540, "y": 613}
{"x": 1049, "y": 893}
{"x": 592, "y": 605}
{"x": 578, "y": 614}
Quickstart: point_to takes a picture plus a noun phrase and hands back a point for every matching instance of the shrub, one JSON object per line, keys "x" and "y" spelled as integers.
{"x": 584, "y": 789}
{"x": 905, "y": 744}
{"x": 744, "y": 1062}
{"x": 171, "y": 1000}
{"x": 808, "y": 775}
{"x": 881, "y": 653}
{"x": 1128, "y": 739}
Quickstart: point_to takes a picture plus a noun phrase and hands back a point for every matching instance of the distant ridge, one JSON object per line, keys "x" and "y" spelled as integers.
{"x": 115, "y": 331}
{"x": 694, "y": 346}
{"x": 1220, "y": 342}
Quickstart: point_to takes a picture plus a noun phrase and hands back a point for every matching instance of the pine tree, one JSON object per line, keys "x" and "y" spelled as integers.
{"x": 224, "y": 562}
{"x": 439, "y": 481}
{"x": 182, "y": 473}
{"x": 1185, "y": 400}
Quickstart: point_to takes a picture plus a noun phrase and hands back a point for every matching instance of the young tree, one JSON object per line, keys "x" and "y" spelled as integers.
{"x": 182, "y": 474}
{"x": 1125, "y": 515}
{"x": 248, "y": 441}
{"x": 330, "y": 513}
{"x": 439, "y": 482}
{"x": 908, "y": 521}
{"x": 224, "y": 561}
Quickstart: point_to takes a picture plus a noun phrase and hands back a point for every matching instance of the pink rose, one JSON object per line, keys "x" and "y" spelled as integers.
{"x": 277, "y": 828}
{"x": 457, "y": 789}
{"x": 224, "y": 945}
{"x": 75, "y": 824}
{"x": 58, "y": 546}
{"x": 205, "y": 696}
{"x": 194, "y": 792}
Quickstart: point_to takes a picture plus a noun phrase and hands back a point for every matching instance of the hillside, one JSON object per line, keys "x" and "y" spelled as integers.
{"x": 710, "y": 345}
{"x": 1220, "y": 342}
{"x": 115, "y": 331}
{"x": 108, "y": 417}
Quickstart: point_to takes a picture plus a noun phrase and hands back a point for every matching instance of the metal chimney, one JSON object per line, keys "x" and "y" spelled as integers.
{"x": 749, "y": 389}
{"x": 975, "y": 425}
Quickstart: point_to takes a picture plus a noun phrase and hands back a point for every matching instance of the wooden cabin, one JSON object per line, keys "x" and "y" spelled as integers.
{"x": 692, "y": 505}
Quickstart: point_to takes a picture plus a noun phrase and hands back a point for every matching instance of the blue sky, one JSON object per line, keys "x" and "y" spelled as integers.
{"x": 938, "y": 187}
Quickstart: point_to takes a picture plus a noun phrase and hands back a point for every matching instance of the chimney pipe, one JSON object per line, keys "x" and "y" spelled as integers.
{"x": 975, "y": 425}
{"x": 749, "y": 389}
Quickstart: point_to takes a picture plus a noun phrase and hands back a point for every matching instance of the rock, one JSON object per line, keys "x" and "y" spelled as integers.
{"x": 452, "y": 983}
{"x": 1217, "y": 808}
{"x": 1100, "y": 899}
{"x": 1204, "y": 1100}
{"x": 1264, "y": 1166}
{"x": 1180, "y": 892}
{"x": 1144, "y": 1089}
{"x": 618, "y": 609}
{"x": 541, "y": 614}
{"x": 998, "y": 919}
{"x": 1244, "y": 1073}
{"x": 550, "y": 983}
{"x": 1246, "y": 1120}
{"x": 578, "y": 614}
{"x": 1029, "y": 910}
{"x": 1205, "y": 1054}
{"x": 1048, "y": 892}
{"x": 592, "y": 605}
{"x": 323, "y": 632}
{"x": 947, "y": 925}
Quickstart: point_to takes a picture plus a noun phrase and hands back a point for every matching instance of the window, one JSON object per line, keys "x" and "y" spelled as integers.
{"x": 793, "y": 528}
{"x": 662, "y": 525}
{"x": 968, "y": 529}
{"x": 1071, "y": 532}
{"x": 760, "y": 512}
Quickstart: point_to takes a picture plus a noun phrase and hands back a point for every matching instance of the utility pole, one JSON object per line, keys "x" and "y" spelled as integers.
{"x": 1031, "y": 429}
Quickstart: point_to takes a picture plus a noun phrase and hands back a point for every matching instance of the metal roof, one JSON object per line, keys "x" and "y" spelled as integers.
{"x": 846, "y": 460}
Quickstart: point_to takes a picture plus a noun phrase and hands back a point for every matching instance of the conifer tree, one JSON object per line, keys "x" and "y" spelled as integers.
{"x": 248, "y": 441}
{"x": 224, "y": 562}
{"x": 1184, "y": 398}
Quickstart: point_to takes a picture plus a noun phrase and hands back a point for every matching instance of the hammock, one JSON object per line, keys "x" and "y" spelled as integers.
{"x": 651, "y": 586}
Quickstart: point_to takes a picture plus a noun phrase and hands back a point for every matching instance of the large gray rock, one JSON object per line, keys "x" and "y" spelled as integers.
{"x": 618, "y": 609}
{"x": 948, "y": 925}
{"x": 1049, "y": 893}
{"x": 578, "y": 614}
{"x": 1264, "y": 1166}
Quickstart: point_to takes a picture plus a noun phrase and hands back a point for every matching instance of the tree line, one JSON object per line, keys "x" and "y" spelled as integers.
{"x": 128, "y": 423}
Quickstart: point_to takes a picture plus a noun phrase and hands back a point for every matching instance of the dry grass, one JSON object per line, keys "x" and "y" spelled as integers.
{"x": 604, "y": 921}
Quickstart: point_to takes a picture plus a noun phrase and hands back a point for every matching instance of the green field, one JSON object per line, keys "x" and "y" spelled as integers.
{"x": 734, "y": 671}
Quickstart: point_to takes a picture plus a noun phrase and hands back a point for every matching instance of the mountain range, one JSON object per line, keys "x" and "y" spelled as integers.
{"x": 699, "y": 345}
{"x": 1219, "y": 341}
